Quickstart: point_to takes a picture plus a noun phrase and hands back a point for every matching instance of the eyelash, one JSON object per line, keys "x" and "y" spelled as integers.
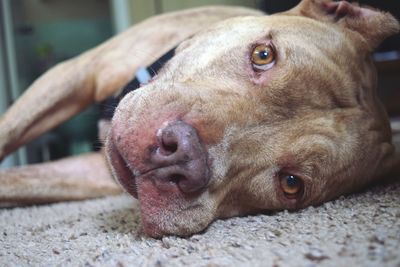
{"x": 294, "y": 201}
{"x": 260, "y": 67}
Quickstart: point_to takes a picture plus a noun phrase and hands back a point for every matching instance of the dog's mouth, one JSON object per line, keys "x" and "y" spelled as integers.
{"x": 168, "y": 177}
{"x": 121, "y": 170}
{"x": 178, "y": 158}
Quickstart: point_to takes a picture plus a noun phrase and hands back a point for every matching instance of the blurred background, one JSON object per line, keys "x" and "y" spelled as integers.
{"x": 37, "y": 34}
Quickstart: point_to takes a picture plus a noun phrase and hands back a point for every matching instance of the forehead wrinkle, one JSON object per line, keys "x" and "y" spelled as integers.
{"x": 300, "y": 57}
{"x": 208, "y": 46}
{"x": 321, "y": 132}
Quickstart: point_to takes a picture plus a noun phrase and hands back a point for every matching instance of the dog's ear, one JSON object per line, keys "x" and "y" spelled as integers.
{"x": 373, "y": 25}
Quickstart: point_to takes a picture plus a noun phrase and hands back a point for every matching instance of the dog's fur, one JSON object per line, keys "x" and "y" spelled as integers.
{"x": 313, "y": 114}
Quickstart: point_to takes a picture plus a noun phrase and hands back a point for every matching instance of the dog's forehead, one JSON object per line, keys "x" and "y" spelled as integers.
{"x": 230, "y": 32}
{"x": 231, "y": 40}
{"x": 232, "y": 35}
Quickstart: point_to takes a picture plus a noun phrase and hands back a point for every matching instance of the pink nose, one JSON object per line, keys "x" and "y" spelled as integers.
{"x": 181, "y": 158}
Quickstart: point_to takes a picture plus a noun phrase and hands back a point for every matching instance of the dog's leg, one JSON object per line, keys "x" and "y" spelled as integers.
{"x": 75, "y": 178}
{"x": 57, "y": 95}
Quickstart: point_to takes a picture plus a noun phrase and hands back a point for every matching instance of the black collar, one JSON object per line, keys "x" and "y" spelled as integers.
{"x": 142, "y": 76}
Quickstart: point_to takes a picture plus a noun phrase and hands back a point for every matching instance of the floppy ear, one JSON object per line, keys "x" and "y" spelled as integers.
{"x": 373, "y": 25}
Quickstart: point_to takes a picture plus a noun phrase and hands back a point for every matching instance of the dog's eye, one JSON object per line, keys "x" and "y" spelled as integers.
{"x": 263, "y": 57}
{"x": 291, "y": 185}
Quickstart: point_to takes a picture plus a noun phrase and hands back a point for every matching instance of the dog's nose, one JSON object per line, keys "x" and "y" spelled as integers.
{"x": 181, "y": 158}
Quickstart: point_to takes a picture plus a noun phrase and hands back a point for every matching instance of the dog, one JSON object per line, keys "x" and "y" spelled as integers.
{"x": 252, "y": 113}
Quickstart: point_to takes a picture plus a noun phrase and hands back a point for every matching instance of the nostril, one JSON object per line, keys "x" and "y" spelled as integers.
{"x": 186, "y": 183}
{"x": 168, "y": 143}
{"x": 176, "y": 178}
{"x": 180, "y": 158}
{"x": 170, "y": 148}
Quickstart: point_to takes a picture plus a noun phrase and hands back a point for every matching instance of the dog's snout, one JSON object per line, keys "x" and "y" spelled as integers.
{"x": 180, "y": 158}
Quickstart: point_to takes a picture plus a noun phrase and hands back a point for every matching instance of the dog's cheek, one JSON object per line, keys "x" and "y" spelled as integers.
{"x": 167, "y": 211}
{"x": 134, "y": 131}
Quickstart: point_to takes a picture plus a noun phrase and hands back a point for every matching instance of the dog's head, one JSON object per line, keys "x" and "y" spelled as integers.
{"x": 256, "y": 113}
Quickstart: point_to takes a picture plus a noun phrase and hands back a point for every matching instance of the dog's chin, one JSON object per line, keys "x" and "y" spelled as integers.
{"x": 165, "y": 210}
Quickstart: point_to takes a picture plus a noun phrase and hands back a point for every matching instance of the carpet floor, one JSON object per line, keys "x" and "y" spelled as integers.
{"x": 359, "y": 230}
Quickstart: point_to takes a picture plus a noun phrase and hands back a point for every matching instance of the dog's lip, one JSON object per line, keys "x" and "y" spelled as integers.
{"x": 123, "y": 173}
{"x": 126, "y": 176}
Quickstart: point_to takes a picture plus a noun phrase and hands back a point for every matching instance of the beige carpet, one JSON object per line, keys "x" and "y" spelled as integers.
{"x": 359, "y": 230}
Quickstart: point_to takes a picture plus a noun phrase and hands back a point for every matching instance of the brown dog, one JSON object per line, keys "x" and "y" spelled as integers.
{"x": 252, "y": 113}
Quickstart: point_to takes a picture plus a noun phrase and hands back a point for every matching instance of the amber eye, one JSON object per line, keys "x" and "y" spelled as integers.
{"x": 291, "y": 185}
{"x": 263, "y": 57}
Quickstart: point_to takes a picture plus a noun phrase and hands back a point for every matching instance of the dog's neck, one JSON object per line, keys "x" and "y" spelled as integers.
{"x": 141, "y": 77}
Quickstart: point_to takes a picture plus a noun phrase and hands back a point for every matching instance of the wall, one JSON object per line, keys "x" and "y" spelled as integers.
{"x": 141, "y": 9}
{"x": 45, "y": 33}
